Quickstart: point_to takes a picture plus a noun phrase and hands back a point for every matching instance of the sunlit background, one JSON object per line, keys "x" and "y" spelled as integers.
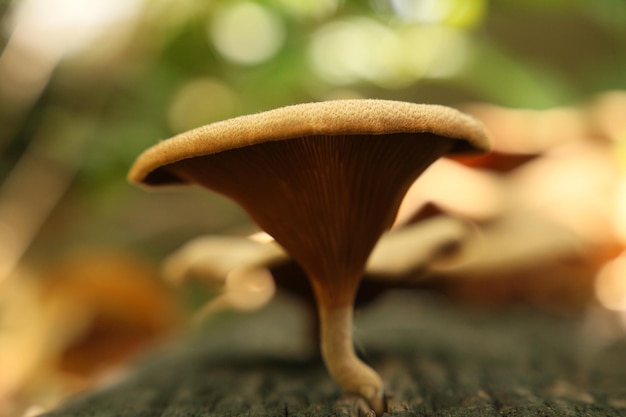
{"x": 86, "y": 85}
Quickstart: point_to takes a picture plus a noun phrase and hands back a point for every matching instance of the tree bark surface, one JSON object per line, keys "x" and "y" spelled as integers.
{"x": 436, "y": 359}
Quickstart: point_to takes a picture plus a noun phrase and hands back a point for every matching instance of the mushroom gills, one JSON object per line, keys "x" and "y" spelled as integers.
{"x": 325, "y": 199}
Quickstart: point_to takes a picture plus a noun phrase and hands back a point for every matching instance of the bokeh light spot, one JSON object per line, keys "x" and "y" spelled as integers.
{"x": 359, "y": 49}
{"x": 433, "y": 51}
{"x": 199, "y": 102}
{"x": 315, "y": 9}
{"x": 611, "y": 284}
{"x": 55, "y": 28}
{"x": 619, "y": 209}
{"x": 458, "y": 13}
{"x": 247, "y": 33}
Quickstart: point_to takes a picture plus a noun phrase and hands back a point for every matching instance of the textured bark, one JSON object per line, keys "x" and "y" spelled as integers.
{"x": 436, "y": 360}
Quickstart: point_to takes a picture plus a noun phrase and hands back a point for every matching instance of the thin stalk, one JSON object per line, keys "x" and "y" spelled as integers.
{"x": 337, "y": 347}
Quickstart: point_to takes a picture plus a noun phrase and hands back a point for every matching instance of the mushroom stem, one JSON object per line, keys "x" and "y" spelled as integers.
{"x": 337, "y": 347}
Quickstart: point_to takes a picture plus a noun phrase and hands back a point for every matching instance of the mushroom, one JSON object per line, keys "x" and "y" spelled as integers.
{"x": 325, "y": 180}
{"x": 214, "y": 257}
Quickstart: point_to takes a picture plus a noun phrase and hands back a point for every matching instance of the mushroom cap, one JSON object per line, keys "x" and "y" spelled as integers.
{"x": 337, "y": 117}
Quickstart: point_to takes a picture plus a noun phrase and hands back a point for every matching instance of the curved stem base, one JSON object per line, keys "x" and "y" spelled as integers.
{"x": 344, "y": 366}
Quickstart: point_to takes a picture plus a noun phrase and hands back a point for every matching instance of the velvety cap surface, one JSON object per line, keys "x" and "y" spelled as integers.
{"x": 338, "y": 117}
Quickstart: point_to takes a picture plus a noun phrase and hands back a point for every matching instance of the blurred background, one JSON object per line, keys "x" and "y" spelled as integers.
{"x": 86, "y": 85}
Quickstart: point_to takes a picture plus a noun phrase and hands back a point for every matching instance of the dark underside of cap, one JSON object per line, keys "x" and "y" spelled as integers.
{"x": 325, "y": 199}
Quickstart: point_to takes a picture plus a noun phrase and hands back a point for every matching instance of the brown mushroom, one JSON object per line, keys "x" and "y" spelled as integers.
{"x": 325, "y": 180}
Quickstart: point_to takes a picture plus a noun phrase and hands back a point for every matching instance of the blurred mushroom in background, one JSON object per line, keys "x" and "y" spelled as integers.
{"x": 546, "y": 203}
{"x": 76, "y": 324}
